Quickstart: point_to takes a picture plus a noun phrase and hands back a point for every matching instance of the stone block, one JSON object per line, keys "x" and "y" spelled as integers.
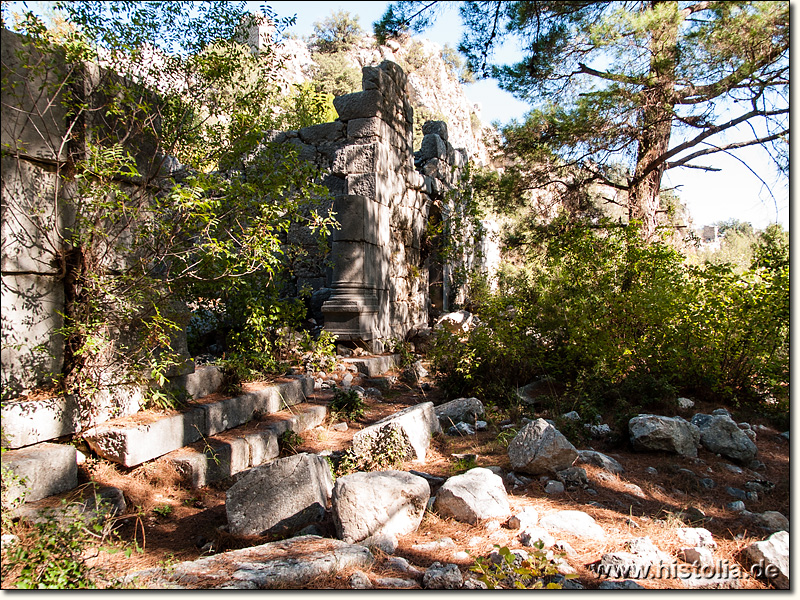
{"x": 353, "y": 213}
{"x": 414, "y": 427}
{"x": 204, "y": 381}
{"x": 435, "y": 127}
{"x": 370, "y": 127}
{"x": 33, "y": 218}
{"x": 217, "y": 459}
{"x": 433, "y": 147}
{"x": 324, "y": 132}
{"x": 304, "y": 151}
{"x": 282, "y": 496}
{"x": 29, "y": 422}
{"x": 374, "y": 366}
{"x": 133, "y": 445}
{"x": 39, "y": 127}
{"x": 364, "y": 185}
{"x": 45, "y": 469}
{"x": 32, "y": 353}
{"x": 229, "y": 413}
{"x": 263, "y": 446}
{"x": 368, "y": 103}
{"x": 361, "y": 158}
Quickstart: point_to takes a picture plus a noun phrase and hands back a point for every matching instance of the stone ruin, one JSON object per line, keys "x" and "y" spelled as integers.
{"x": 386, "y": 278}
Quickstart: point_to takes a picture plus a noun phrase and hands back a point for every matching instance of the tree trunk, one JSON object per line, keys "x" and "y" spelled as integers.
{"x": 655, "y": 124}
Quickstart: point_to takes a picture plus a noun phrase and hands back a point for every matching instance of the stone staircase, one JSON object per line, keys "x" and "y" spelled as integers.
{"x": 207, "y": 441}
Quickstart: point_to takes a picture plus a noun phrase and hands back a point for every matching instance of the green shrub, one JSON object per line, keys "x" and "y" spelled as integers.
{"x": 624, "y": 323}
{"x": 347, "y": 405}
{"x": 288, "y": 442}
{"x": 513, "y": 572}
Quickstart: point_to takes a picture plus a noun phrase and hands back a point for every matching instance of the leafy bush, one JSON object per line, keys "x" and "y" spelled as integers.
{"x": 288, "y": 442}
{"x": 513, "y": 572}
{"x": 347, "y": 404}
{"x": 624, "y": 323}
{"x": 337, "y": 32}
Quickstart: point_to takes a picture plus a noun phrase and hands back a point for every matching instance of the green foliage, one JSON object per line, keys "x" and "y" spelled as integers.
{"x": 151, "y": 233}
{"x": 52, "y": 553}
{"x": 456, "y": 65}
{"x": 347, "y": 405}
{"x": 335, "y": 74}
{"x": 389, "y": 450}
{"x": 288, "y": 442}
{"x": 463, "y": 464}
{"x": 164, "y": 510}
{"x": 624, "y": 323}
{"x": 403, "y": 348}
{"x": 512, "y": 572}
{"x": 321, "y": 351}
{"x": 336, "y": 33}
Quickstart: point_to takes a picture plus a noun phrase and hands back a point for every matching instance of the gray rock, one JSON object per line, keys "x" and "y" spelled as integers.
{"x": 411, "y": 427}
{"x": 477, "y": 494}
{"x": 598, "y": 459}
{"x": 667, "y": 434}
{"x": 772, "y": 520}
{"x": 624, "y": 584}
{"x": 733, "y": 469}
{"x": 279, "y": 497}
{"x": 444, "y": 543}
{"x": 774, "y": 552}
{"x": 360, "y": 581}
{"x": 541, "y": 448}
{"x": 381, "y": 502}
{"x": 736, "y": 506}
{"x": 598, "y": 431}
{"x": 385, "y": 542}
{"x": 42, "y": 470}
{"x": 720, "y": 434}
{"x": 554, "y": 487}
{"x": 396, "y": 583}
{"x": 442, "y": 577}
{"x": 700, "y": 556}
{"x": 736, "y": 493}
{"x": 785, "y": 435}
{"x": 530, "y": 392}
{"x": 462, "y": 409}
{"x": 288, "y": 564}
{"x": 723, "y": 412}
{"x": 574, "y": 522}
{"x": 685, "y": 403}
{"x": 460, "y": 429}
{"x": 651, "y": 471}
{"x": 398, "y": 563}
{"x": 571, "y": 416}
{"x": 707, "y": 483}
{"x": 573, "y": 477}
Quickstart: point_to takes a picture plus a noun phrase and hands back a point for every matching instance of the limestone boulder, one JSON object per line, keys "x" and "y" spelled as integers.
{"x": 410, "y": 428}
{"x": 475, "y": 495}
{"x": 720, "y": 434}
{"x": 280, "y": 497}
{"x": 380, "y": 502}
{"x": 666, "y": 434}
{"x": 442, "y": 577}
{"x": 467, "y": 410}
{"x": 773, "y": 554}
{"x": 573, "y": 522}
{"x": 541, "y": 448}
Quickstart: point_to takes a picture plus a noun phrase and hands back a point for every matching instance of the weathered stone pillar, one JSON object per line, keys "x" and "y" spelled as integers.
{"x": 376, "y": 163}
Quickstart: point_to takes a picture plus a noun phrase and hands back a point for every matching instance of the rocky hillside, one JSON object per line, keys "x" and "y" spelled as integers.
{"x": 435, "y": 90}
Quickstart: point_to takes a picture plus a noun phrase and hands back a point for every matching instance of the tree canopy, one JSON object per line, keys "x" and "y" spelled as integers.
{"x": 649, "y": 85}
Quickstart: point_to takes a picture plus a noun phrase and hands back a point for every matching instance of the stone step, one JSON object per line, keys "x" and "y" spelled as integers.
{"x": 134, "y": 440}
{"x": 372, "y": 366}
{"x": 39, "y": 471}
{"x": 220, "y": 456}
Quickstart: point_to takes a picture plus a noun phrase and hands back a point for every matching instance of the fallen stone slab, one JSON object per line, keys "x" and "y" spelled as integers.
{"x": 42, "y": 470}
{"x": 373, "y": 366}
{"x": 30, "y": 422}
{"x": 215, "y": 459}
{"x": 205, "y": 380}
{"x": 280, "y": 497}
{"x": 380, "y": 502}
{"x": 287, "y": 564}
{"x": 411, "y": 427}
{"x": 473, "y": 496}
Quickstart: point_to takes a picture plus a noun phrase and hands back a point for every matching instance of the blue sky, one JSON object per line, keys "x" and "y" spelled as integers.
{"x": 733, "y": 192}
